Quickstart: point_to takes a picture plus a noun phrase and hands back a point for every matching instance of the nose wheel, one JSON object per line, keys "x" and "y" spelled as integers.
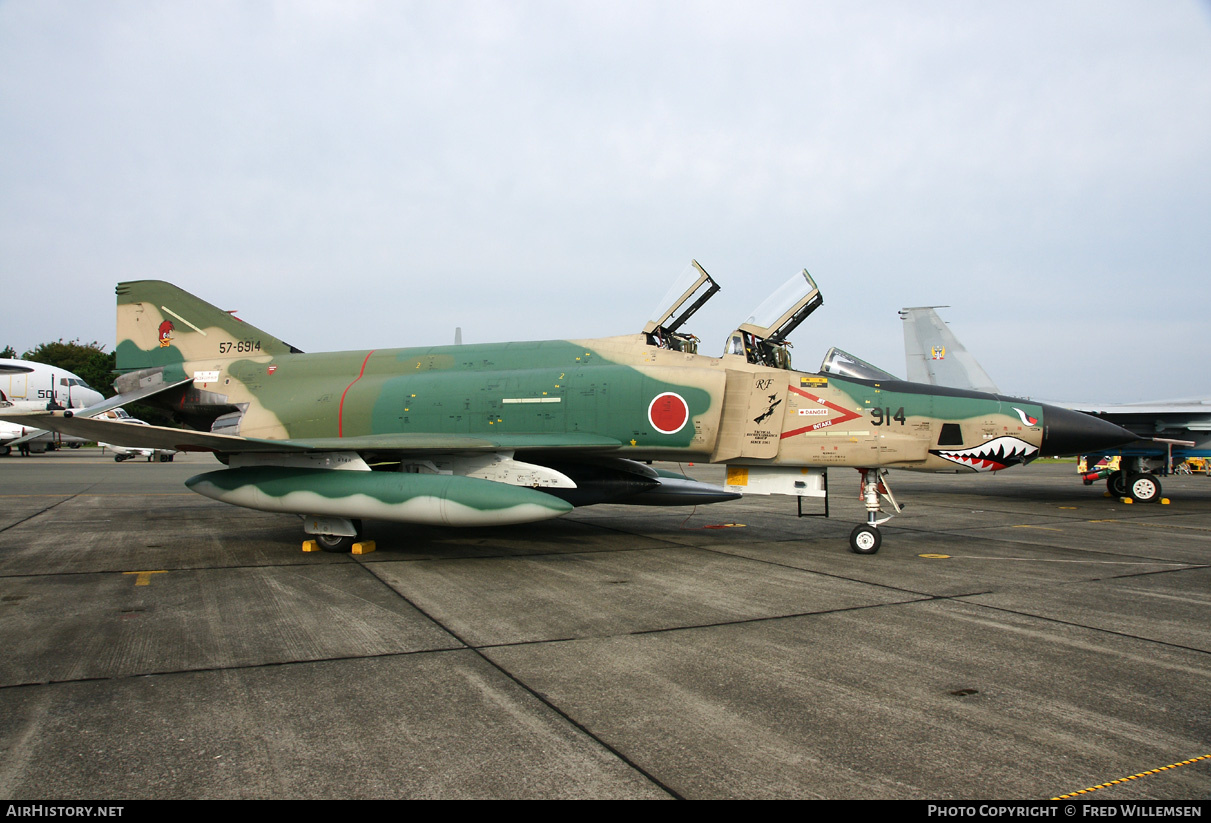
{"x": 865, "y": 539}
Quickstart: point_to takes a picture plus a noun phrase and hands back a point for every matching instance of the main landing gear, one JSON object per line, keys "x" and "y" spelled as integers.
{"x": 867, "y": 538}
{"x": 333, "y": 534}
{"x": 1142, "y": 488}
{"x": 1133, "y": 480}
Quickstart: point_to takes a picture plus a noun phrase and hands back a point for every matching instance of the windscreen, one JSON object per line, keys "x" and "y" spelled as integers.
{"x": 845, "y": 364}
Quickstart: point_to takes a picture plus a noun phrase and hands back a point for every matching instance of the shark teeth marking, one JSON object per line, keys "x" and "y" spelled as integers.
{"x": 991, "y": 456}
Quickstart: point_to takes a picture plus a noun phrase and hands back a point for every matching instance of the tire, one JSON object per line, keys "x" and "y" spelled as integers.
{"x": 1116, "y": 484}
{"x": 336, "y": 543}
{"x": 865, "y": 540}
{"x": 1144, "y": 488}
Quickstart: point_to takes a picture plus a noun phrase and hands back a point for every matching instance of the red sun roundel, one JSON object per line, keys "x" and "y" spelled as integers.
{"x": 668, "y": 413}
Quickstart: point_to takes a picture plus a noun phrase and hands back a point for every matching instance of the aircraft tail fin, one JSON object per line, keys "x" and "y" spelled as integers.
{"x": 160, "y": 324}
{"x": 935, "y": 356}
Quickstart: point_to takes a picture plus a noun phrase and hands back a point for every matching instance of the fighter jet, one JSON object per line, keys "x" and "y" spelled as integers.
{"x": 490, "y": 434}
{"x": 1165, "y": 430}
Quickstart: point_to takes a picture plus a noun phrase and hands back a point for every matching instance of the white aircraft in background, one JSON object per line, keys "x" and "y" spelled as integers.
{"x": 1169, "y": 430}
{"x": 130, "y": 452}
{"x": 26, "y": 386}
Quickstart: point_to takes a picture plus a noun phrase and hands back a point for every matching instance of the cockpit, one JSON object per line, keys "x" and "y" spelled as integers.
{"x": 761, "y": 339}
{"x": 693, "y": 287}
{"x": 844, "y": 364}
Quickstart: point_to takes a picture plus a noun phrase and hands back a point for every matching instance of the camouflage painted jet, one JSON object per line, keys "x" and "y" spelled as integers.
{"x": 475, "y": 435}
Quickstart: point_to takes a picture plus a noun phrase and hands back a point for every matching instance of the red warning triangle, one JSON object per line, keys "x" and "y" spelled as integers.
{"x": 846, "y": 414}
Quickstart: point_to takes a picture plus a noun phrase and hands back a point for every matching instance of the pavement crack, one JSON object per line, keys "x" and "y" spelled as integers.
{"x": 537, "y": 695}
{"x": 41, "y": 512}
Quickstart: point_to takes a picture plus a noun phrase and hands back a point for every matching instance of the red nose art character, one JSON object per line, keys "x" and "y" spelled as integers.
{"x": 166, "y": 333}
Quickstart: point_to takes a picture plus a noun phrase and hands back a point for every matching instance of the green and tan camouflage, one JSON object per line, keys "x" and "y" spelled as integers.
{"x": 529, "y": 429}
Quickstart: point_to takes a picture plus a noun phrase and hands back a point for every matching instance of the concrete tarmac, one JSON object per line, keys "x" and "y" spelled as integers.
{"x": 1019, "y": 636}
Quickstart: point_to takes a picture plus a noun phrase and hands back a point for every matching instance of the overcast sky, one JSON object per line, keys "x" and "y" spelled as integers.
{"x": 359, "y": 175}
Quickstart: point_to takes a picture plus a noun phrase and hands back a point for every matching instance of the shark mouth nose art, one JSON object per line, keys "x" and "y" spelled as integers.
{"x": 991, "y": 456}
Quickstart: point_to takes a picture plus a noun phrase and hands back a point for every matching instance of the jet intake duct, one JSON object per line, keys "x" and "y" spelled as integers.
{"x": 431, "y": 499}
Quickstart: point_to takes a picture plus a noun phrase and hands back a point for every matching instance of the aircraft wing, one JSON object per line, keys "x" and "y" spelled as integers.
{"x": 935, "y": 356}
{"x": 162, "y": 437}
{"x": 1174, "y": 409}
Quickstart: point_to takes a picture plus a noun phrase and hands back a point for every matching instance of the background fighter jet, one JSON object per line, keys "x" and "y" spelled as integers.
{"x": 519, "y": 432}
{"x": 1165, "y": 430}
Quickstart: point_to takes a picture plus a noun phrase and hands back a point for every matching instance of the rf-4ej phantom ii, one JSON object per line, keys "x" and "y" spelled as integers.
{"x": 481, "y": 435}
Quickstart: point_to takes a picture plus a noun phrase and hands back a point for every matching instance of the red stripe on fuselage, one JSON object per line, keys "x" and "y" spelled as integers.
{"x": 846, "y": 414}
{"x": 340, "y": 412}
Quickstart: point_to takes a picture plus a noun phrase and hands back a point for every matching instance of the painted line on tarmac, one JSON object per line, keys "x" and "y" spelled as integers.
{"x": 144, "y": 578}
{"x": 1133, "y": 777}
{"x": 1156, "y": 525}
{"x": 1046, "y": 560}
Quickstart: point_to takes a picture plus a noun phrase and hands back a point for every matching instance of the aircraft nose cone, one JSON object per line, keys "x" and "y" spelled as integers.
{"x": 1067, "y": 432}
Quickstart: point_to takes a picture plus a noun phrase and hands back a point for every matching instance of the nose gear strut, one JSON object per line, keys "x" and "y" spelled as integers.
{"x": 867, "y": 538}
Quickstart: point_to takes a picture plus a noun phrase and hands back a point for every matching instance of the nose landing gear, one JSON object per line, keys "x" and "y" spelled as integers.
{"x": 866, "y": 538}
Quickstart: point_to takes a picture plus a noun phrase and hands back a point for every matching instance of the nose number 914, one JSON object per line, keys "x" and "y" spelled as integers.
{"x": 884, "y": 417}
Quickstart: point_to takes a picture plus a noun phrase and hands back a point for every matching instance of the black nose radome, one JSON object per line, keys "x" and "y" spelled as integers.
{"x": 1067, "y": 432}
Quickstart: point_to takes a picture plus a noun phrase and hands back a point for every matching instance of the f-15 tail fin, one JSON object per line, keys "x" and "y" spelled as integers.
{"x": 160, "y": 324}
{"x": 935, "y": 356}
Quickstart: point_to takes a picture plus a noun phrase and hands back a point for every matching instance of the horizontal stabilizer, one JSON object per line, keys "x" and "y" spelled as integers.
{"x": 136, "y": 396}
{"x": 147, "y": 437}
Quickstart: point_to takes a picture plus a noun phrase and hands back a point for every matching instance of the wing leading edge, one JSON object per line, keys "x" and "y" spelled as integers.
{"x": 163, "y": 437}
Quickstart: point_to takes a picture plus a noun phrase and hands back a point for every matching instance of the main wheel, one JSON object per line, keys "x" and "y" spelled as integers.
{"x": 334, "y": 542}
{"x": 1144, "y": 488}
{"x": 865, "y": 540}
{"x": 339, "y": 542}
{"x": 1116, "y": 484}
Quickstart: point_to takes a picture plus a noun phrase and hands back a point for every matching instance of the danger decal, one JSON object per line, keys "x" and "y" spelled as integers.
{"x": 823, "y": 408}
